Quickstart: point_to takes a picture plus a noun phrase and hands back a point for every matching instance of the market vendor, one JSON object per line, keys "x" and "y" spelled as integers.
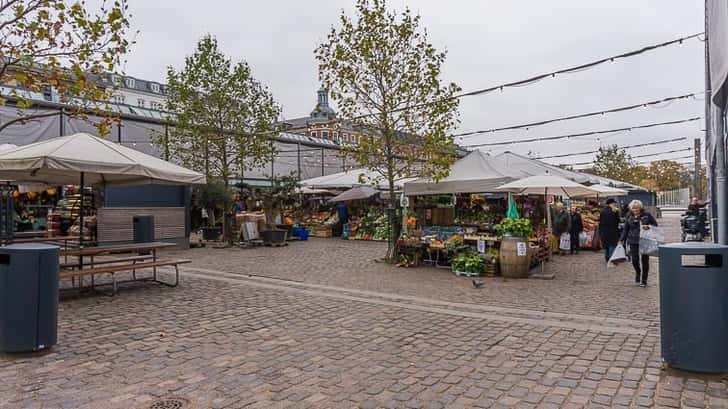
{"x": 343, "y": 212}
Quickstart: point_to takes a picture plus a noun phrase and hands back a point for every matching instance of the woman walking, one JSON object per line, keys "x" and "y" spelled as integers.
{"x": 577, "y": 226}
{"x": 637, "y": 220}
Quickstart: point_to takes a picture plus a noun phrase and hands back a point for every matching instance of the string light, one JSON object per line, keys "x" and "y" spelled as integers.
{"x": 608, "y": 131}
{"x": 621, "y": 147}
{"x": 528, "y": 126}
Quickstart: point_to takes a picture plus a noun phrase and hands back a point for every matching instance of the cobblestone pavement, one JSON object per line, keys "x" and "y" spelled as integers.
{"x": 333, "y": 329}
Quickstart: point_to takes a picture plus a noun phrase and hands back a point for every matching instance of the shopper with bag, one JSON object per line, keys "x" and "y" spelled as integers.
{"x": 609, "y": 228}
{"x": 577, "y": 226}
{"x": 561, "y": 224}
{"x": 637, "y": 220}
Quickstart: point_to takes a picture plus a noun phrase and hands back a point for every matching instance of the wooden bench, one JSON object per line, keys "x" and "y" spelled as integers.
{"x": 134, "y": 259}
{"x": 118, "y": 268}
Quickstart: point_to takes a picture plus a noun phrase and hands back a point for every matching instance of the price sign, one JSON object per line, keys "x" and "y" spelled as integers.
{"x": 521, "y": 249}
{"x": 481, "y": 246}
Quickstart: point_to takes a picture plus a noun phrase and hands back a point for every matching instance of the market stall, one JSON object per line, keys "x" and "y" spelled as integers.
{"x": 87, "y": 160}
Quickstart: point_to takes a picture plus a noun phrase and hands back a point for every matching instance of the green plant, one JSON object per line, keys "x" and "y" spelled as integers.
{"x": 468, "y": 263}
{"x": 514, "y": 228}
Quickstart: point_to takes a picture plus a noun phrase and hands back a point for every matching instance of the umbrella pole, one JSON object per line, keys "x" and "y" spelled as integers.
{"x": 549, "y": 229}
{"x": 80, "y": 220}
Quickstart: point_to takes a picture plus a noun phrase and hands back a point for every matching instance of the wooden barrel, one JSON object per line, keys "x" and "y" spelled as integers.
{"x": 514, "y": 257}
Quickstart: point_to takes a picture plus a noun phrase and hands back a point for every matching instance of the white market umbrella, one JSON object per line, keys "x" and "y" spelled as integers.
{"x": 89, "y": 160}
{"x": 305, "y": 190}
{"x": 546, "y": 185}
{"x": 62, "y": 160}
{"x": 356, "y": 193}
{"x": 603, "y": 190}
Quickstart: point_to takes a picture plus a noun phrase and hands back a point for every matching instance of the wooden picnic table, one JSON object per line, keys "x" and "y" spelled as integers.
{"x": 57, "y": 239}
{"x": 143, "y": 251}
{"x": 116, "y": 249}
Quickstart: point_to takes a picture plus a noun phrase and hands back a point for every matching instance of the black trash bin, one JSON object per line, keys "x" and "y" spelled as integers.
{"x": 28, "y": 297}
{"x": 143, "y": 228}
{"x": 694, "y": 306}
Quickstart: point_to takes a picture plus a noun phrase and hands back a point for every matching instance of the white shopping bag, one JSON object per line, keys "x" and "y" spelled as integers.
{"x": 583, "y": 239}
{"x": 565, "y": 243}
{"x": 618, "y": 256}
{"x": 650, "y": 240}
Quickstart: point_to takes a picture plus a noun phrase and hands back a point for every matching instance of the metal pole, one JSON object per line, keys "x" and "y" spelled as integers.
{"x": 698, "y": 180}
{"x": 272, "y": 169}
{"x": 721, "y": 181}
{"x": 80, "y": 221}
{"x": 298, "y": 159}
{"x": 118, "y": 132}
{"x": 61, "y": 129}
{"x": 720, "y": 195}
{"x": 322, "y": 162}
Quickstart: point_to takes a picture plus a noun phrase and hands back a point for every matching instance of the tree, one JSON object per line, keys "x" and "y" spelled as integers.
{"x": 384, "y": 75}
{"x": 666, "y": 174}
{"x": 60, "y": 45}
{"x": 615, "y": 163}
{"x": 223, "y": 116}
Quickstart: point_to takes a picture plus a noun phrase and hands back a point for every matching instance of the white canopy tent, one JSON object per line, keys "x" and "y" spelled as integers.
{"x": 475, "y": 173}
{"x": 352, "y": 178}
{"x": 519, "y": 167}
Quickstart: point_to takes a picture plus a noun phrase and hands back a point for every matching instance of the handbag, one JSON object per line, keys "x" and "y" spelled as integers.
{"x": 619, "y": 255}
{"x": 650, "y": 240}
{"x": 565, "y": 242}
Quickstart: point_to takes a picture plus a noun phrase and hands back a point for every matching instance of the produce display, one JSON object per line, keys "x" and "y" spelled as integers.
{"x": 590, "y": 219}
{"x": 468, "y": 264}
{"x": 373, "y": 226}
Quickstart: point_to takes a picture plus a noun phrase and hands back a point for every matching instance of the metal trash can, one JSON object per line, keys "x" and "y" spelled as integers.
{"x": 143, "y": 228}
{"x": 28, "y": 297}
{"x": 694, "y": 306}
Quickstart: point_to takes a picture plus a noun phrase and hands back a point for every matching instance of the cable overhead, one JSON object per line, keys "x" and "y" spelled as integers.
{"x": 622, "y": 147}
{"x": 640, "y": 156}
{"x": 586, "y": 115}
{"x": 552, "y": 74}
{"x": 575, "y": 135}
{"x": 579, "y": 67}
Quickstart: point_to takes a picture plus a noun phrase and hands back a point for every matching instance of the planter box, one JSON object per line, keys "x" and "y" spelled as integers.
{"x": 274, "y": 236}
{"x": 211, "y": 233}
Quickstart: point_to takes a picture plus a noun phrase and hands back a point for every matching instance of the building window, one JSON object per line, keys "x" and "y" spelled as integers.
{"x": 115, "y": 79}
{"x": 140, "y": 102}
{"x": 325, "y": 134}
{"x": 130, "y": 83}
{"x": 119, "y": 99}
{"x": 314, "y": 134}
{"x": 155, "y": 87}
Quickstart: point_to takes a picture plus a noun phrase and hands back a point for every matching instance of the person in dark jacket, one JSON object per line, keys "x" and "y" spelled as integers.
{"x": 561, "y": 222}
{"x": 637, "y": 220}
{"x": 577, "y": 226}
{"x": 609, "y": 228}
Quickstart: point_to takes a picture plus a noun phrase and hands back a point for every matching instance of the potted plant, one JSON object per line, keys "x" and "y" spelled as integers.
{"x": 281, "y": 195}
{"x": 514, "y": 256}
{"x": 211, "y": 197}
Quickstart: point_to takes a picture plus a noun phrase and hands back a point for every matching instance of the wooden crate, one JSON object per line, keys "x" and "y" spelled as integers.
{"x": 323, "y": 232}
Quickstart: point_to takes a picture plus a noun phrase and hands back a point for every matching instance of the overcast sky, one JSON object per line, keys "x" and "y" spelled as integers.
{"x": 489, "y": 42}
